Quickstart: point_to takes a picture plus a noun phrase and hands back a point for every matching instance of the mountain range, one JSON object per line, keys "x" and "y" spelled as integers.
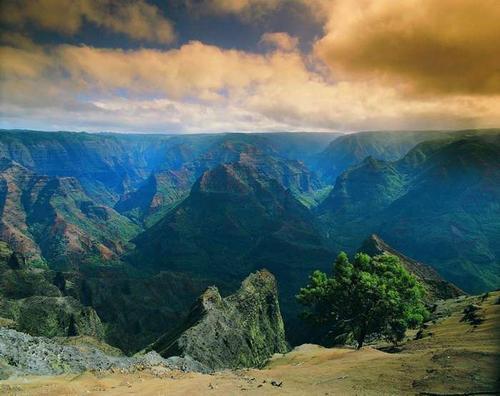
{"x": 137, "y": 226}
{"x": 439, "y": 204}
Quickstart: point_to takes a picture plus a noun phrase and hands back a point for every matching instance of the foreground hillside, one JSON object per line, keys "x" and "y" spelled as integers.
{"x": 456, "y": 353}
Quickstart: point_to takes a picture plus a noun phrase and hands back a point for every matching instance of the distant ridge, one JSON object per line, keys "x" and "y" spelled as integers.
{"x": 437, "y": 287}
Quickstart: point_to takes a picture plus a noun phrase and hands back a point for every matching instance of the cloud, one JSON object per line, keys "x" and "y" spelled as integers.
{"x": 379, "y": 65}
{"x": 136, "y": 19}
{"x": 280, "y": 40}
{"x": 252, "y": 10}
{"x": 193, "y": 69}
{"x": 18, "y": 40}
{"x": 248, "y": 10}
{"x": 200, "y": 87}
{"x": 22, "y": 63}
{"x": 424, "y": 46}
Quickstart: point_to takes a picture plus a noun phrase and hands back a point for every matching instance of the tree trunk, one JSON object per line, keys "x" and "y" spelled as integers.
{"x": 361, "y": 338}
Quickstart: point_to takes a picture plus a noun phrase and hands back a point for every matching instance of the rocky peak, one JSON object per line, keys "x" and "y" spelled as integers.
{"x": 210, "y": 298}
{"x": 242, "y": 330}
{"x": 225, "y": 178}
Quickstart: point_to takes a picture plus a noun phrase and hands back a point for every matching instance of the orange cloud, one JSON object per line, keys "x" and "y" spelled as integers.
{"x": 247, "y": 9}
{"x": 23, "y": 63}
{"x": 280, "y": 40}
{"x": 425, "y": 46}
{"x": 193, "y": 69}
{"x": 82, "y": 87}
{"x": 138, "y": 19}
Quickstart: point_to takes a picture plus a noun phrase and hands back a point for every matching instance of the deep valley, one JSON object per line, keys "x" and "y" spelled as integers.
{"x": 113, "y": 237}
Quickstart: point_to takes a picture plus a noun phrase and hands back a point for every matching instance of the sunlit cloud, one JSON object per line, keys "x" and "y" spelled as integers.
{"x": 280, "y": 40}
{"x": 137, "y": 20}
{"x": 425, "y": 46}
{"x": 389, "y": 74}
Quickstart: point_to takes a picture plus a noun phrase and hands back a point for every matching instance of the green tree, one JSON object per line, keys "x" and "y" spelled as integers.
{"x": 371, "y": 296}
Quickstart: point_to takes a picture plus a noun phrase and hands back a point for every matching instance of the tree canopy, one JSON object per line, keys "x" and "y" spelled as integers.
{"x": 370, "y": 296}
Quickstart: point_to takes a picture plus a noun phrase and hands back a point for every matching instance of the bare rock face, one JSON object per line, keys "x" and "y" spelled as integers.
{"x": 241, "y": 330}
{"x": 22, "y": 354}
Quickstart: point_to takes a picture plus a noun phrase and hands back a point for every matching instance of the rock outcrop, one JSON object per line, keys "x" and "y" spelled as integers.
{"x": 22, "y": 354}
{"x": 241, "y": 330}
{"x": 437, "y": 288}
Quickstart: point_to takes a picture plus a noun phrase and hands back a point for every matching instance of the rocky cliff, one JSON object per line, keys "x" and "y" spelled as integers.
{"x": 54, "y": 223}
{"x": 241, "y": 330}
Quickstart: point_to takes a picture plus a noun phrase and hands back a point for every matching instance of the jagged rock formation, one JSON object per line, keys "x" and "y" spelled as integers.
{"x": 241, "y": 330}
{"x": 22, "y": 354}
{"x": 436, "y": 286}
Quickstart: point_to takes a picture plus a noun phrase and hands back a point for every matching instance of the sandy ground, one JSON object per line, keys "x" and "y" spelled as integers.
{"x": 455, "y": 358}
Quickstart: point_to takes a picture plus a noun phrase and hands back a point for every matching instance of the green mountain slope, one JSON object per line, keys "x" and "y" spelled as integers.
{"x": 156, "y": 196}
{"x": 112, "y": 167}
{"x": 106, "y": 165}
{"x": 234, "y": 221}
{"x": 211, "y": 208}
{"x": 164, "y": 189}
{"x": 439, "y": 204}
{"x": 33, "y": 301}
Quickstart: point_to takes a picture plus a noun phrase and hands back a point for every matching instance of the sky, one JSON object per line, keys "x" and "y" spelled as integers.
{"x": 249, "y": 65}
